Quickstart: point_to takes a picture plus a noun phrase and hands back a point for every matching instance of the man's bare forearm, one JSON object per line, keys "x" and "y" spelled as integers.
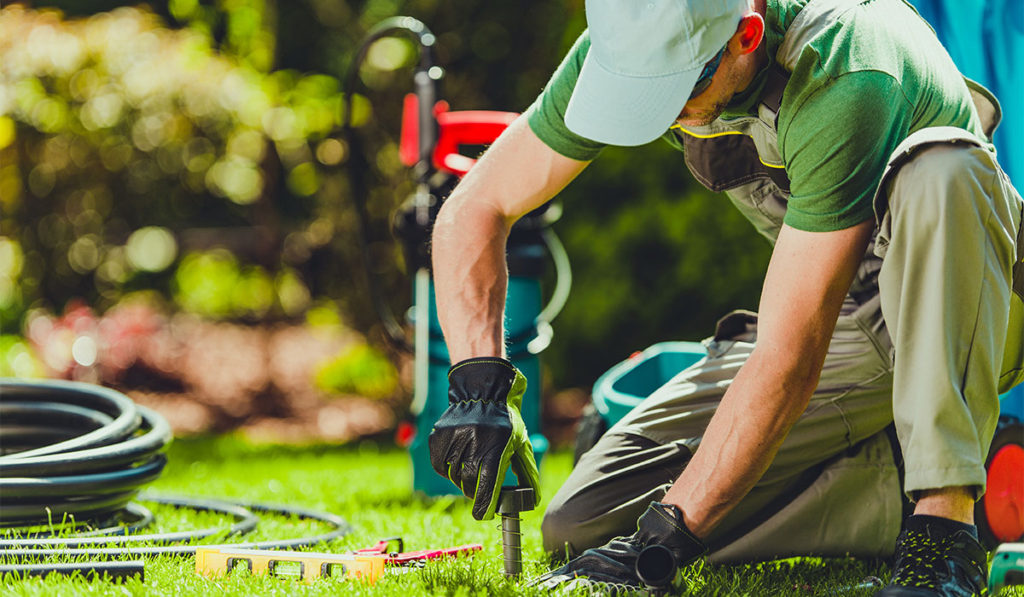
{"x": 516, "y": 175}
{"x": 807, "y": 278}
{"x": 470, "y": 278}
{"x": 754, "y": 417}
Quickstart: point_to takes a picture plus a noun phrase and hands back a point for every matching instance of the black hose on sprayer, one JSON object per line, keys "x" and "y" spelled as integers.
{"x": 426, "y": 81}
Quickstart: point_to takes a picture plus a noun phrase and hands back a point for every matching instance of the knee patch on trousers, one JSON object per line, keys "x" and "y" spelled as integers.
{"x": 929, "y": 157}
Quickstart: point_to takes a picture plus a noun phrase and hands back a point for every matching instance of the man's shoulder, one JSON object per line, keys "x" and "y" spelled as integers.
{"x": 868, "y": 35}
{"x": 872, "y": 47}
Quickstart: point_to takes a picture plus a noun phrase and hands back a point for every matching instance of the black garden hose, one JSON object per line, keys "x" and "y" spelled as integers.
{"x": 111, "y": 447}
{"x": 245, "y": 521}
{"x": 79, "y": 450}
{"x": 92, "y": 571}
{"x": 176, "y": 544}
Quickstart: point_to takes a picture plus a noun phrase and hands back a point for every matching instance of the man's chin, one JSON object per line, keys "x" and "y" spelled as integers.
{"x": 702, "y": 118}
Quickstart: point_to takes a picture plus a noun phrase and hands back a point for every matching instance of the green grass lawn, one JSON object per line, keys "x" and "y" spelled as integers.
{"x": 371, "y": 488}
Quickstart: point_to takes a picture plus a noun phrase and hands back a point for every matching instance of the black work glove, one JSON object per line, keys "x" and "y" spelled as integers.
{"x": 661, "y": 545}
{"x": 482, "y": 433}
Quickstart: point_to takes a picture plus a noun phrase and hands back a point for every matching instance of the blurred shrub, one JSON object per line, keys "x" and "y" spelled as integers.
{"x": 213, "y": 284}
{"x": 655, "y": 257}
{"x": 17, "y": 359}
{"x": 80, "y": 344}
{"x": 361, "y": 370}
{"x": 124, "y": 143}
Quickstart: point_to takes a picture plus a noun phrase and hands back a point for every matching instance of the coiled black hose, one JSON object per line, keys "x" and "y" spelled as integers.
{"x": 75, "y": 449}
{"x": 107, "y": 448}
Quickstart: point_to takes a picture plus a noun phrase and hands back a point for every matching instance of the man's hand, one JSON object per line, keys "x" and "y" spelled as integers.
{"x": 482, "y": 432}
{"x": 626, "y": 562}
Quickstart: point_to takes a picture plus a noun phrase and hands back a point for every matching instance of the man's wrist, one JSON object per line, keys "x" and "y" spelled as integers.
{"x": 483, "y": 380}
{"x": 480, "y": 360}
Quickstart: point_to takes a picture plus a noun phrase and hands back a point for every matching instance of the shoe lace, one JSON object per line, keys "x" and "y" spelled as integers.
{"x": 920, "y": 559}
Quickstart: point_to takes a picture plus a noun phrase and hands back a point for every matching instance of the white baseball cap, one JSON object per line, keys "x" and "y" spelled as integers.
{"x": 644, "y": 58}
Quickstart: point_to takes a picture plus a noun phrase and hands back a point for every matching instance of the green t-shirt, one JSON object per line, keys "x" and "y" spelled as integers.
{"x": 857, "y": 90}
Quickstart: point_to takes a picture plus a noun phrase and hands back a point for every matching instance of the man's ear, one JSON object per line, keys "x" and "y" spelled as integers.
{"x": 748, "y": 34}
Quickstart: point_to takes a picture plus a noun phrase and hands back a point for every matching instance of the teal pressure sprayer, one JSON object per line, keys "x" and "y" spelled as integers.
{"x": 433, "y": 139}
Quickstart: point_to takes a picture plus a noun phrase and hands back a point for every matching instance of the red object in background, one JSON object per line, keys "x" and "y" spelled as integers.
{"x": 400, "y": 558}
{"x": 1004, "y": 496}
{"x": 469, "y": 127}
{"x": 405, "y": 433}
{"x": 84, "y": 346}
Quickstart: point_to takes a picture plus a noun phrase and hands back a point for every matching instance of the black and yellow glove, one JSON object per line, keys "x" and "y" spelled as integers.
{"x": 482, "y": 433}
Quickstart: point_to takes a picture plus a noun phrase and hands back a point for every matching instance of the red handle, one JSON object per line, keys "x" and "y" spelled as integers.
{"x": 381, "y": 548}
{"x": 469, "y": 127}
{"x": 432, "y": 554}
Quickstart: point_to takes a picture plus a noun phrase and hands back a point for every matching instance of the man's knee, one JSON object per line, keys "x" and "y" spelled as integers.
{"x": 574, "y": 523}
{"x": 608, "y": 490}
{"x": 573, "y": 515}
{"x": 557, "y": 529}
{"x": 941, "y": 181}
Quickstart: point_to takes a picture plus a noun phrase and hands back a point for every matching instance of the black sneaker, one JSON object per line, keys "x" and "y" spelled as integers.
{"x": 936, "y": 557}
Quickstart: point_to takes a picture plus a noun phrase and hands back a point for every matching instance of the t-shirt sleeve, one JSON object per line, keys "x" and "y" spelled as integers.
{"x": 546, "y": 116}
{"x": 836, "y": 146}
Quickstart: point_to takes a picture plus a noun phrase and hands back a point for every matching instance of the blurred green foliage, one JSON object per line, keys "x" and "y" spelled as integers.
{"x": 17, "y": 359}
{"x": 194, "y": 148}
{"x": 361, "y": 370}
{"x": 215, "y": 285}
{"x": 132, "y": 143}
{"x": 655, "y": 257}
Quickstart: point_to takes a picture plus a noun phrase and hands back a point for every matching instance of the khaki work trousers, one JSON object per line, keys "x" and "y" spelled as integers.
{"x": 929, "y": 351}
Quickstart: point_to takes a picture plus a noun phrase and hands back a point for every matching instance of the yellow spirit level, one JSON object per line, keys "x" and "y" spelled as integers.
{"x": 304, "y": 566}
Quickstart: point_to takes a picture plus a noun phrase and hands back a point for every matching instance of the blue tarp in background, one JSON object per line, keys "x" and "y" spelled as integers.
{"x": 986, "y": 40}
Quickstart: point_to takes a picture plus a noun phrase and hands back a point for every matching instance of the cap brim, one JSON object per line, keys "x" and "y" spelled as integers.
{"x": 622, "y": 110}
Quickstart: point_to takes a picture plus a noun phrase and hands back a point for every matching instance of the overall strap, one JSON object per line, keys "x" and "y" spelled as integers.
{"x": 771, "y": 101}
{"x": 987, "y": 105}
